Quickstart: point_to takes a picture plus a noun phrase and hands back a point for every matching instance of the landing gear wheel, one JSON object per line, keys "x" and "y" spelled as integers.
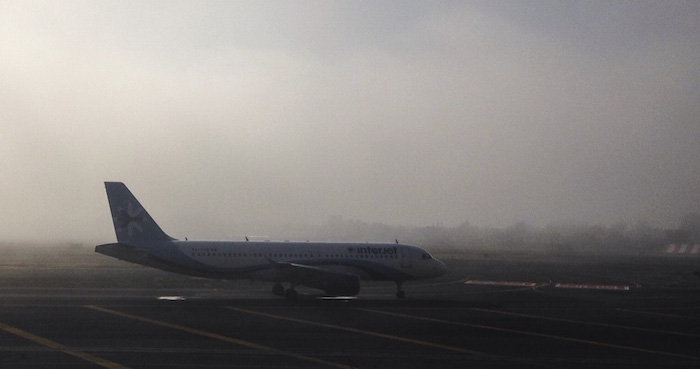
{"x": 290, "y": 295}
{"x": 278, "y": 290}
{"x": 399, "y": 292}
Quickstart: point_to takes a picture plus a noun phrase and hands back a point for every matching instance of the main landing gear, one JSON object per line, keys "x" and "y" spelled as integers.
{"x": 399, "y": 292}
{"x": 278, "y": 289}
{"x": 289, "y": 294}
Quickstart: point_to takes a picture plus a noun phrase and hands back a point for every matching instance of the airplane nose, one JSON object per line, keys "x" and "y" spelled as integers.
{"x": 440, "y": 267}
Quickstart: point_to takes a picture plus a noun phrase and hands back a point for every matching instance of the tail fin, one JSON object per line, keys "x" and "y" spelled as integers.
{"x": 132, "y": 223}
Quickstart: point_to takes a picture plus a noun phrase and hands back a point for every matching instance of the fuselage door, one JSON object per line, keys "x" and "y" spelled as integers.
{"x": 405, "y": 258}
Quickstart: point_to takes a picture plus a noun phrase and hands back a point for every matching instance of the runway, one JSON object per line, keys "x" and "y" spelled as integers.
{"x": 520, "y": 319}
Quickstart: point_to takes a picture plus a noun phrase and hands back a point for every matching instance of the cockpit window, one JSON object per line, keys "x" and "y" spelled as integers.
{"x": 426, "y": 257}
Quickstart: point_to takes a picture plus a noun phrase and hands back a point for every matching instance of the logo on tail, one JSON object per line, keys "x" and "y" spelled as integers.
{"x": 129, "y": 219}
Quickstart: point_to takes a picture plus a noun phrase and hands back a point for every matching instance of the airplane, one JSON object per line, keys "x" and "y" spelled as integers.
{"x": 336, "y": 268}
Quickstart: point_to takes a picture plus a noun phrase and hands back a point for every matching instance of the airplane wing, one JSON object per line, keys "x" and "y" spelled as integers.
{"x": 331, "y": 282}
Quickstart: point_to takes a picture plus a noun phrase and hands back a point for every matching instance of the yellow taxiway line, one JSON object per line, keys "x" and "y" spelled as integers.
{"x": 360, "y": 331}
{"x": 616, "y": 326}
{"x": 219, "y": 337}
{"x": 541, "y": 335}
{"x": 59, "y": 347}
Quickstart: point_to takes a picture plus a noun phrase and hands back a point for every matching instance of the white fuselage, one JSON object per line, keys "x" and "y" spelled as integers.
{"x": 371, "y": 261}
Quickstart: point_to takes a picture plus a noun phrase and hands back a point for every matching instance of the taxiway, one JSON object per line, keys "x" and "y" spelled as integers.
{"x": 521, "y": 320}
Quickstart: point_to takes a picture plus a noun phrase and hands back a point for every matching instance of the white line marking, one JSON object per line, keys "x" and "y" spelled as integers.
{"x": 172, "y": 298}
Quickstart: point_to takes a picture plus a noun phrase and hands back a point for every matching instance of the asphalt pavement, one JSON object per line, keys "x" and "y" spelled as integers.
{"x": 621, "y": 313}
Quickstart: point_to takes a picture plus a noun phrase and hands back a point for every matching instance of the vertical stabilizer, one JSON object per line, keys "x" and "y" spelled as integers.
{"x": 132, "y": 223}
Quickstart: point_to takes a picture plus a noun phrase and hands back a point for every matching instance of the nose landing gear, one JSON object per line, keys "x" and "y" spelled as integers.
{"x": 399, "y": 292}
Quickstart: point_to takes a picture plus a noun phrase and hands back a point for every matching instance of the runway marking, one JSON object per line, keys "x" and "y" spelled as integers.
{"x": 501, "y": 283}
{"x": 360, "y": 331}
{"x": 216, "y": 336}
{"x": 535, "y": 334}
{"x": 587, "y": 323}
{"x": 59, "y": 347}
{"x": 659, "y": 314}
{"x": 456, "y": 281}
{"x": 592, "y": 286}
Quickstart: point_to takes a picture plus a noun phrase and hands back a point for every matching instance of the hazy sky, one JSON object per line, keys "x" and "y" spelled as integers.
{"x": 233, "y": 118}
